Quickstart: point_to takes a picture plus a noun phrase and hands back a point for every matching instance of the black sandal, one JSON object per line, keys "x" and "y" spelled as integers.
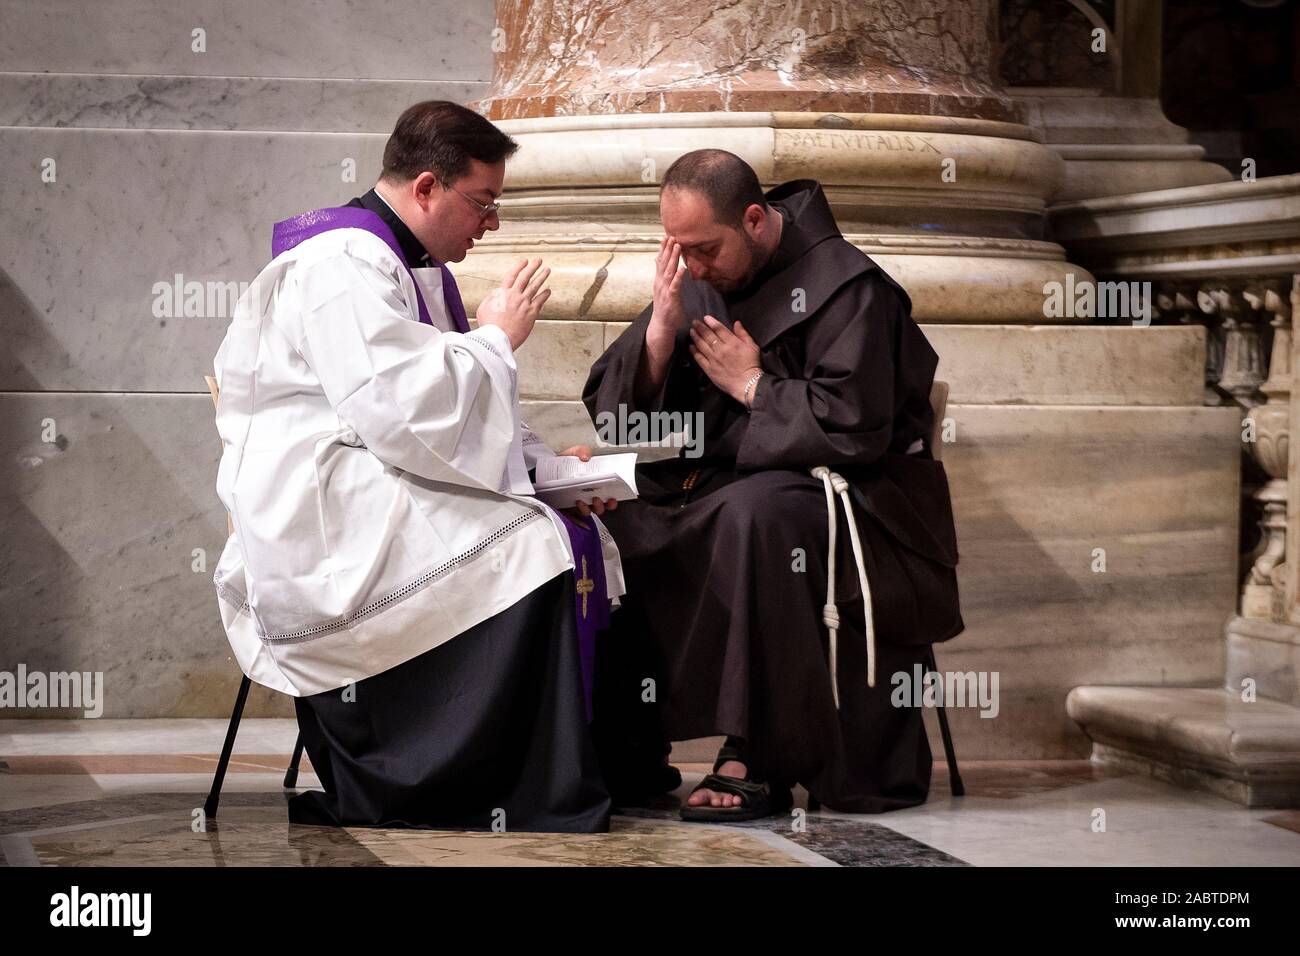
{"x": 760, "y": 799}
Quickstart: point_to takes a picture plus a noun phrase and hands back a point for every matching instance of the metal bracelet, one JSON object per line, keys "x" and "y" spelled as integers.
{"x": 753, "y": 380}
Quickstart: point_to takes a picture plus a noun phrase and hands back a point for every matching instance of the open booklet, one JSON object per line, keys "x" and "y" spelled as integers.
{"x": 563, "y": 479}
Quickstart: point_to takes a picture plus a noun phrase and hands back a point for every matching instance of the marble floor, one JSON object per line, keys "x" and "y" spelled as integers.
{"x": 128, "y": 792}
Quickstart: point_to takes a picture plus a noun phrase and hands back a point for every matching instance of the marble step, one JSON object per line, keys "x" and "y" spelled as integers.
{"x": 1202, "y": 737}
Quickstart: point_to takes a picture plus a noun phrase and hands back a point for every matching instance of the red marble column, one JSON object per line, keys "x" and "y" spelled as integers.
{"x": 577, "y": 57}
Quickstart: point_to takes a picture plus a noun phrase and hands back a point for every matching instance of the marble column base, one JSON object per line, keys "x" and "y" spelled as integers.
{"x": 954, "y": 208}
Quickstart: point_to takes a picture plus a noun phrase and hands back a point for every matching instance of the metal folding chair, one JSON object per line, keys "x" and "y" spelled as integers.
{"x": 939, "y": 402}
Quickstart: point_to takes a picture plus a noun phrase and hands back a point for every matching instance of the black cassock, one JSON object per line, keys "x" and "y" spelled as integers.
{"x": 486, "y": 729}
{"x": 725, "y": 554}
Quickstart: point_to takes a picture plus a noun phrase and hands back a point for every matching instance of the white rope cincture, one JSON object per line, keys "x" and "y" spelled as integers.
{"x": 834, "y": 484}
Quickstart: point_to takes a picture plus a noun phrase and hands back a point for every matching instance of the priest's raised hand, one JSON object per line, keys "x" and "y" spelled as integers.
{"x": 514, "y": 306}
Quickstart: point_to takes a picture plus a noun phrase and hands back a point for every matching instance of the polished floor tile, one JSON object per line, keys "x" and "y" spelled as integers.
{"x": 161, "y": 830}
{"x": 129, "y": 793}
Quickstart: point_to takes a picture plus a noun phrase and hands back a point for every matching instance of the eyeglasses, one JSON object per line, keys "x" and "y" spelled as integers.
{"x": 483, "y": 210}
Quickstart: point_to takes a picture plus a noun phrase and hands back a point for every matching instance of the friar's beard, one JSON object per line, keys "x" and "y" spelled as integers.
{"x": 756, "y": 262}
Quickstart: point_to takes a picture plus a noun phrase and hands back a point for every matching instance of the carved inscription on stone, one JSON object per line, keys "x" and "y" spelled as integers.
{"x": 863, "y": 141}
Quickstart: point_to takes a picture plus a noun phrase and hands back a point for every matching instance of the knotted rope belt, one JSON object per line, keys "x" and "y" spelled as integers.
{"x": 834, "y": 484}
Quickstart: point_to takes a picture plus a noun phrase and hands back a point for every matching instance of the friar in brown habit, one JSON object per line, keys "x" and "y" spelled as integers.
{"x": 801, "y": 357}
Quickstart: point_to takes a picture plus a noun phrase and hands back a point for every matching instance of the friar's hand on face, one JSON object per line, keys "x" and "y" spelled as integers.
{"x": 667, "y": 316}
{"x": 597, "y": 506}
{"x": 727, "y": 356}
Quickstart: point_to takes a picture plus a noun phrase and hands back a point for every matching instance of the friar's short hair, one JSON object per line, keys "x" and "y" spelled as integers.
{"x": 724, "y": 179}
{"x": 442, "y": 137}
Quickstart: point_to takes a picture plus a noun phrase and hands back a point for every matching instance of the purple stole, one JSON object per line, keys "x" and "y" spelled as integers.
{"x": 591, "y": 601}
{"x": 290, "y": 232}
{"x": 591, "y": 598}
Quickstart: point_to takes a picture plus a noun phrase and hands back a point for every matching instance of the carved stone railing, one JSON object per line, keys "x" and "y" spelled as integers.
{"x": 1226, "y": 257}
{"x": 1250, "y": 362}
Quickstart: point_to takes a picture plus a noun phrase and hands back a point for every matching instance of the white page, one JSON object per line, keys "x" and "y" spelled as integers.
{"x": 563, "y": 470}
{"x": 562, "y": 480}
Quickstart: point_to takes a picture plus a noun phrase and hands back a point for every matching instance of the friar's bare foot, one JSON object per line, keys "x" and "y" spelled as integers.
{"x": 711, "y": 798}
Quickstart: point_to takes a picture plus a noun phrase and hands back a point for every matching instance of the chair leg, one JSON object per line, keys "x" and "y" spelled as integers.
{"x": 291, "y": 775}
{"x": 214, "y": 795}
{"x": 954, "y": 777}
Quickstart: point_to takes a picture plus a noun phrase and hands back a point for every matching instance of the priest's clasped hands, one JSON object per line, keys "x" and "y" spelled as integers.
{"x": 514, "y": 307}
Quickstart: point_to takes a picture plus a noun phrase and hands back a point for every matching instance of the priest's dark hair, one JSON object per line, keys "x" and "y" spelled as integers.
{"x": 442, "y": 137}
{"x": 724, "y": 179}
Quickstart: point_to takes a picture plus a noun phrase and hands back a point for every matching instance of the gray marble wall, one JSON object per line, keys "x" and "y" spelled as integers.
{"x": 131, "y": 156}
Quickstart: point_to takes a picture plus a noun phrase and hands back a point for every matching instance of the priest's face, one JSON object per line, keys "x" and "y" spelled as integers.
{"x": 726, "y": 257}
{"x": 450, "y": 215}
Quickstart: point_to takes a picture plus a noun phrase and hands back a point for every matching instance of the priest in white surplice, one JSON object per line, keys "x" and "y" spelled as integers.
{"x": 389, "y": 567}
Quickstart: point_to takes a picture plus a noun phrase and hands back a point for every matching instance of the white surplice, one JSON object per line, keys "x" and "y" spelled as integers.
{"x": 375, "y": 469}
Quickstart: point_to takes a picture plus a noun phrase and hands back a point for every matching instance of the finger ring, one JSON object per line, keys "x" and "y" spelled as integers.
{"x": 717, "y": 341}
